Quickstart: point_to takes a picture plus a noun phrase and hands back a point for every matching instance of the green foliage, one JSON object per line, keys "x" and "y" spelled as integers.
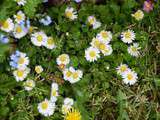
{"x": 31, "y": 7}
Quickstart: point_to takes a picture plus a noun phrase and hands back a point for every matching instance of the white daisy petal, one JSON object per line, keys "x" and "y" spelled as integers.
{"x": 92, "y": 54}
{"x": 38, "y": 38}
{"x": 7, "y": 25}
{"x": 134, "y": 50}
{"x": 129, "y": 77}
{"x": 128, "y": 36}
{"x": 46, "y": 108}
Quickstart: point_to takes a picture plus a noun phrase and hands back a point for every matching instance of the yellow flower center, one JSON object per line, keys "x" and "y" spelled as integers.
{"x": 18, "y": 29}
{"x": 31, "y": 29}
{"x": 73, "y": 115}
{"x": 102, "y": 46}
{"x": 29, "y": 84}
{"x": 19, "y": 17}
{"x": 38, "y": 69}
{"x": 123, "y": 68}
{"x": 20, "y": 73}
{"x": 62, "y": 58}
{"x": 92, "y": 54}
{"x": 69, "y": 14}
{"x": 91, "y": 21}
{"x": 127, "y": 35}
{"x": 75, "y": 75}
{"x": 69, "y": 73}
{"x": 44, "y": 105}
{"x": 96, "y": 43}
{"x": 21, "y": 60}
{"x": 134, "y": 49}
{"x": 104, "y": 34}
{"x": 130, "y": 76}
{"x": 5, "y": 24}
{"x": 54, "y": 92}
{"x": 39, "y": 38}
{"x": 50, "y": 41}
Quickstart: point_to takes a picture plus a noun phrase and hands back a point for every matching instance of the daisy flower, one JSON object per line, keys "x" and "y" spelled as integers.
{"x": 21, "y": 2}
{"x": 96, "y": 25}
{"x": 29, "y": 85}
{"x": 46, "y": 108}
{"x": 106, "y": 49}
{"x": 70, "y": 13}
{"x": 105, "y": 36}
{"x": 66, "y": 108}
{"x": 129, "y": 77}
{"x": 138, "y": 15}
{"x": 19, "y": 17}
{"x": 95, "y": 42}
{"x": 19, "y": 31}
{"x": 72, "y": 75}
{"x": 63, "y": 59}
{"x": 68, "y": 101}
{"x": 49, "y": 43}
{"x": 67, "y": 73}
{"x": 133, "y": 49}
{"x": 7, "y": 25}
{"x": 38, "y": 38}
{"x": 54, "y": 92}
{"x": 19, "y": 60}
{"x": 92, "y": 54}
{"x": 148, "y": 6}
{"x": 23, "y": 61}
{"x": 73, "y": 114}
{"x": 38, "y": 69}
{"x": 76, "y": 76}
{"x": 122, "y": 68}
{"x": 93, "y": 22}
{"x": 128, "y": 36}
{"x": 21, "y": 74}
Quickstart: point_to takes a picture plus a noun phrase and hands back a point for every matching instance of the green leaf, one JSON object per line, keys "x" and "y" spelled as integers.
{"x": 30, "y": 7}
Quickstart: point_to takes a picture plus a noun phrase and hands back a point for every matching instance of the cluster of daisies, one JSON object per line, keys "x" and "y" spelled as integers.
{"x": 18, "y": 27}
{"x": 69, "y": 111}
{"x": 19, "y": 63}
{"x": 129, "y": 76}
{"x": 69, "y": 73}
{"x": 41, "y": 39}
{"x": 128, "y": 37}
{"x": 71, "y": 14}
{"x": 67, "y": 105}
{"x": 47, "y": 107}
{"x": 100, "y": 43}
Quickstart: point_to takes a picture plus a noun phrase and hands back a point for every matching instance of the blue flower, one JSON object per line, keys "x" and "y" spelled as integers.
{"x": 28, "y": 23}
{"x": 78, "y": 1}
{"x": 4, "y": 39}
{"x": 46, "y": 21}
{"x": 13, "y": 64}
